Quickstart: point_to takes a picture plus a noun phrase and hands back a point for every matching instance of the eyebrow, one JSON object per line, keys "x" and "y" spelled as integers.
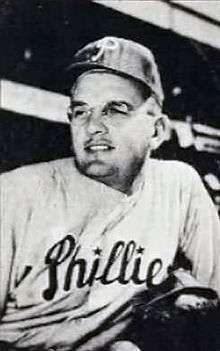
{"x": 75, "y": 103}
{"x": 130, "y": 107}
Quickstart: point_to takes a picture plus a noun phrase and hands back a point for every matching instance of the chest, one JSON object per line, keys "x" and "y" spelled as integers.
{"x": 76, "y": 247}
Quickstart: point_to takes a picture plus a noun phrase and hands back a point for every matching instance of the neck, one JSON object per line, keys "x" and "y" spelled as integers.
{"x": 127, "y": 181}
{"x": 119, "y": 185}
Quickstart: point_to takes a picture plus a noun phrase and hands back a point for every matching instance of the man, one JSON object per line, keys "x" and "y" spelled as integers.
{"x": 82, "y": 237}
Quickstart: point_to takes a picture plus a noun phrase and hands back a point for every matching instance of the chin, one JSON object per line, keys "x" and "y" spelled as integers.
{"x": 96, "y": 169}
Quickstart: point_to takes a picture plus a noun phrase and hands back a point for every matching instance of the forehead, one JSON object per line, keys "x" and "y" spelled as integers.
{"x": 100, "y": 87}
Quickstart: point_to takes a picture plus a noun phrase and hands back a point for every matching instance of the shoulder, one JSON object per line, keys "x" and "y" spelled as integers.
{"x": 181, "y": 184}
{"x": 29, "y": 178}
{"x": 39, "y": 169}
{"x": 176, "y": 178}
{"x": 174, "y": 170}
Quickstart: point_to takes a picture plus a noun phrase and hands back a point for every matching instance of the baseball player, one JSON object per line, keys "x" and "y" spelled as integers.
{"x": 82, "y": 236}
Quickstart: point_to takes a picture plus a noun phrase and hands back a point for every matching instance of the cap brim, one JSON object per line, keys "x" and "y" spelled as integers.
{"x": 76, "y": 69}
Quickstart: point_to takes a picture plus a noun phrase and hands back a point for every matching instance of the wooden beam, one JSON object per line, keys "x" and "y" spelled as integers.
{"x": 31, "y": 101}
{"x": 174, "y": 15}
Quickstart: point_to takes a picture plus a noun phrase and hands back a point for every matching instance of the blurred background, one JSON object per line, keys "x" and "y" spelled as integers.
{"x": 38, "y": 39}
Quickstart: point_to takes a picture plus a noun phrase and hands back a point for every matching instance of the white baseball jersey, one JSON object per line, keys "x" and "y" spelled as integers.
{"x": 74, "y": 251}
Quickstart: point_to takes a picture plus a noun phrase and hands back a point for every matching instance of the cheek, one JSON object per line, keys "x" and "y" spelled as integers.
{"x": 136, "y": 135}
{"x": 77, "y": 136}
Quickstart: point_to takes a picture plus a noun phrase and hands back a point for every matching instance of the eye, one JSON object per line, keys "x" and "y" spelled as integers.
{"x": 118, "y": 108}
{"x": 79, "y": 112}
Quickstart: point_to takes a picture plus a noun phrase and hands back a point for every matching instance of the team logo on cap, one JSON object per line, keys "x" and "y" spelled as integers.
{"x": 107, "y": 43}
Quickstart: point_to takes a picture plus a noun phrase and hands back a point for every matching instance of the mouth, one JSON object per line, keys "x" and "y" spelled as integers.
{"x": 96, "y": 147}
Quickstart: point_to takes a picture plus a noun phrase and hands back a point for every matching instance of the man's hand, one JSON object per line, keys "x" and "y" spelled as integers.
{"x": 124, "y": 346}
{"x": 188, "y": 302}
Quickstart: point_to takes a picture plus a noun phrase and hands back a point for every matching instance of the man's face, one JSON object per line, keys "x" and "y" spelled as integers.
{"x": 110, "y": 137}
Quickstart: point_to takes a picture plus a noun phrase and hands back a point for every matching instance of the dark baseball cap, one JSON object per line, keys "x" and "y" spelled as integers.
{"x": 122, "y": 57}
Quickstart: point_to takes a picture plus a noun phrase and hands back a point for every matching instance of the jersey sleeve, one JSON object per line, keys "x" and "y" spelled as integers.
{"x": 17, "y": 191}
{"x": 201, "y": 234}
{"x": 6, "y": 243}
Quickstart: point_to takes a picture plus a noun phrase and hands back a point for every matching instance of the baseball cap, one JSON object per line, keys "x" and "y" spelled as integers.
{"x": 122, "y": 57}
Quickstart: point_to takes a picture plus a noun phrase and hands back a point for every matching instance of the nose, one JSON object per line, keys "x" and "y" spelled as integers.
{"x": 96, "y": 123}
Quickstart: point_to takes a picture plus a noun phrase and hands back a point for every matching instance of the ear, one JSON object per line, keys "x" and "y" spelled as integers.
{"x": 162, "y": 131}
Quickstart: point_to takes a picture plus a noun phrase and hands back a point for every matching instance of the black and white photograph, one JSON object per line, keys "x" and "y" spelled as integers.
{"x": 109, "y": 175}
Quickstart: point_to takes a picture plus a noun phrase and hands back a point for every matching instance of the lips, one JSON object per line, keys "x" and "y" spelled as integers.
{"x": 96, "y": 146}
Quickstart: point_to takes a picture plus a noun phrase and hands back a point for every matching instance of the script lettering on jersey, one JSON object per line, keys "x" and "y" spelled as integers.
{"x": 87, "y": 274}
